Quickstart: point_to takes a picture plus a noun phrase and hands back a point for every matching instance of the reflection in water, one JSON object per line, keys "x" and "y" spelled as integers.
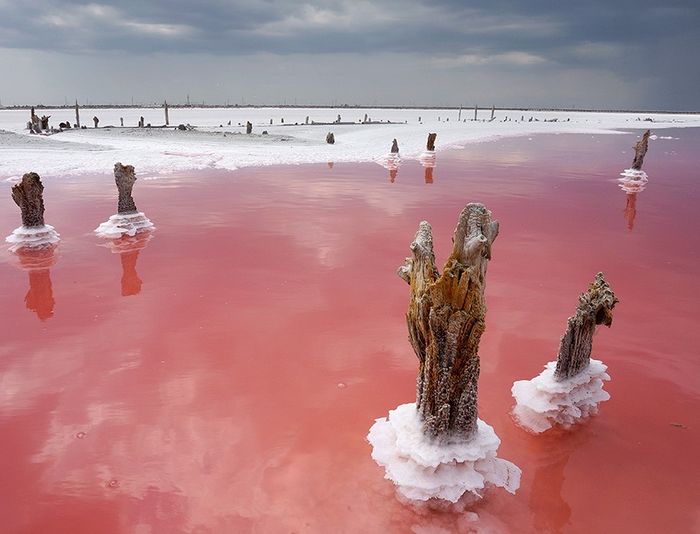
{"x": 427, "y": 159}
{"x": 37, "y": 261}
{"x": 391, "y": 162}
{"x": 631, "y": 187}
{"x": 330, "y": 164}
{"x": 551, "y": 512}
{"x": 128, "y": 248}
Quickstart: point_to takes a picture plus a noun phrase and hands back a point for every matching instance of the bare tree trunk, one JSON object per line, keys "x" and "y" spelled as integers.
{"x": 445, "y": 321}
{"x": 29, "y": 196}
{"x": 430, "y": 145}
{"x": 594, "y": 307}
{"x": 124, "y": 176}
{"x": 640, "y": 150}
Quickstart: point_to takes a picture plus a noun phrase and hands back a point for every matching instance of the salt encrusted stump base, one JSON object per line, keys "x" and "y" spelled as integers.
{"x": 423, "y": 470}
{"x": 32, "y": 237}
{"x": 634, "y": 174}
{"x": 391, "y": 161}
{"x": 545, "y": 402}
{"x": 122, "y": 224}
{"x": 427, "y": 159}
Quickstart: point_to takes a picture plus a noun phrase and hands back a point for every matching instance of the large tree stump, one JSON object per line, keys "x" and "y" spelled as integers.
{"x": 640, "y": 150}
{"x": 124, "y": 176}
{"x": 445, "y": 321}
{"x": 594, "y": 307}
{"x": 29, "y": 196}
{"x": 430, "y": 145}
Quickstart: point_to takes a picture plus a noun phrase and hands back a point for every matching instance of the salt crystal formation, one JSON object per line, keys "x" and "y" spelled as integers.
{"x": 29, "y": 196}
{"x": 571, "y": 388}
{"x": 128, "y": 220}
{"x": 437, "y": 449}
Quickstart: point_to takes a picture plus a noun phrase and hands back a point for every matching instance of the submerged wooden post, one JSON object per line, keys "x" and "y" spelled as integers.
{"x": 29, "y": 196}
{"x": 594, "y": 307}
{"x": 640, "y": 150}
{"x": 77, "y": 114}
{"x": 395, "y": 147}
{"x": 445, "y": 321}
{"x": 430, "y": 145}
{"x": 167, "y": 118}
{"x": 124, "y": 176}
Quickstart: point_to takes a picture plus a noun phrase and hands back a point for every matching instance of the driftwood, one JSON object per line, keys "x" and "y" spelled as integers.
{"x": 330, "y": 138}
{"x": 124, "y": 176}
{"x": 595, "y": 307}
{"x": 29, "y": 196}
{"x": 395, "y": 147}
{"x": 445, "y": 321}
{"x": 430, "y": 145}
{"x": 640, "y": 150}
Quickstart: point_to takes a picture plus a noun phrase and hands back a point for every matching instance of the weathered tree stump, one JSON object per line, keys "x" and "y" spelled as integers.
{"x": 45, "y": 122}
{"x": 330, "y": 138}
{"x": 493, "y": 112}
{"x": 446, "y": 317}
{"x": 594, "y": 307}
{"x": 248, "y": 127}
{"x": 124, "y": 176}
{"x": 395, "y": 147}
{"x": 167, "y": 115}
{"x": 77, "y": 115}
{"x": 430, "y": 145}
{"x": 96, "y": 121}
{"x": 640, "y": 150}
{"x": 29, "y": 196}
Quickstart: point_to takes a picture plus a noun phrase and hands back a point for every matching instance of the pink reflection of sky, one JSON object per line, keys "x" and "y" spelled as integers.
{"x": 208, "y": 400}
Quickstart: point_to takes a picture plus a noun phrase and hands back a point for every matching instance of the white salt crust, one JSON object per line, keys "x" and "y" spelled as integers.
{"x": 391, "y": 161}
{"x": 634, "y": 174}
{"x": 424, "y": 470}
{"x": 427, "y": 158}
{"x": 124, "y": 224}
{"x": 31, "y": 237}
{"x": 544, "y": 402}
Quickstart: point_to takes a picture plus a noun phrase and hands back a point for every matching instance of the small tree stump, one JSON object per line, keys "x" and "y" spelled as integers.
{"x": 594, "y": 307}
{"x": 430, "y": 145}
{"x": 96, "y": 121}
{"x": 124, "y": 177}
{"x": 446, "y": 317}
{"x": 395, "y": 147}
{"x": 640, "y": 150}
{"x": 330, "y": 138}
{"x": 29, "y": 196}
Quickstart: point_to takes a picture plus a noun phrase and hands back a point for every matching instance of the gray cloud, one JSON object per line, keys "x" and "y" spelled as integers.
{"x": 639, "y": 45}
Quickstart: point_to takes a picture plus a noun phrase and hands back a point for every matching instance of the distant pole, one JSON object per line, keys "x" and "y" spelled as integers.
{"x": 493, "y": 112}
{"x": 476, "y": 109}
{"x": 167, "y": 119}
{"x": 459, "y": 117}
{"x": 77, "y": 114}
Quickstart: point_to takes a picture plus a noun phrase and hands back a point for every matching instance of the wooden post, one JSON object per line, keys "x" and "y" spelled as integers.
{"x": 395, "y": 147}
{"x": 330, "y": 138}
{"x": 445, "y": 318}
{"x": 248, "y": 127}
{"x": 459, "y": 116}
{"x": 167, "y": 118}
{"x": 430, "y": 145}
{"x": 77, "y": 114}
{"x": 476, "y": 109}
{"x": 594, "y": 307}
{"x": 29, "y": 196}
{"x": 640, "y": 150}
{"x": 124, "y": 177}
{"x": 493, "y": 112}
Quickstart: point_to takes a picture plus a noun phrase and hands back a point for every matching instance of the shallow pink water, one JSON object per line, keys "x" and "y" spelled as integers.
{"x": 222, "y": 376}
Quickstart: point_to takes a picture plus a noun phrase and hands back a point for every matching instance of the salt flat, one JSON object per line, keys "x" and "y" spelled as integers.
{"x": 216, "y": 145}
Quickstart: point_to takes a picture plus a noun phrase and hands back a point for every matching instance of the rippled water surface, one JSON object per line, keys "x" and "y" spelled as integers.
{"x": 221, "y": 376}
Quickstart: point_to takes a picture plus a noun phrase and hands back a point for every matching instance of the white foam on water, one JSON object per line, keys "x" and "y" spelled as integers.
{"x": 32, "y": 237}
{"x": 124, "y": 224}
{"x": 544, "y": 402}
{"x": 423, "y": 470}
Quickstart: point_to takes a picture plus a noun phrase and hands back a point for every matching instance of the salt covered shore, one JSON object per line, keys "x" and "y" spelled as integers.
{"x": 215, "y": 144}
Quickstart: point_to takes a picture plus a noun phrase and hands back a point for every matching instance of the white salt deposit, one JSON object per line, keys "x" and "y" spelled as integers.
{"x": 634, "y": 174}
{"x": 427, "y": 158}
{"x": 32, "y": 237}
{"x": 124, "y": 224}
{"x": 544, "y": 402}
{"x": 390, "y": 161}
{"x": 424, "y": 470}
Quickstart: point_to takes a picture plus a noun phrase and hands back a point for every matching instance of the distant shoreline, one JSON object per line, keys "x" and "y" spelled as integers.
{"x": 290, "y": 106}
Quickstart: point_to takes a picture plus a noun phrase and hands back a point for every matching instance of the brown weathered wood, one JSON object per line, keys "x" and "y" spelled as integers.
{"x": 445, "y": 321}
{"x": 430, "y": 145}
{"x": 248, "y": 127}
{"x": 640, "y": 150}
{"x": 595, "y": 307}
{"x": 124, "y": 176}
{"x": 29, "y": 196}
{"x": 394, "y": 147}
{"x": 330, "y": 138}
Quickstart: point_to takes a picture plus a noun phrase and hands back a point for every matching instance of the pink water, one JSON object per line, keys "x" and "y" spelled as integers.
{"x": 222, "y": 376}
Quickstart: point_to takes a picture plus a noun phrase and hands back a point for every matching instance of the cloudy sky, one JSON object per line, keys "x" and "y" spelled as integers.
{"x": 595, "y": 53}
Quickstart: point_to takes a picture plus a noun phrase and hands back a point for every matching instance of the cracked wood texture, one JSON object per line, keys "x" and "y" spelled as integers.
{"x": 595, "y": 307}
{"x": 445, "y": 321}
{"x": 430, "y": 144}
{"x": 124, "y": 176}
{"x": 640, "y": 150}
{"x": 29, "y": 196}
